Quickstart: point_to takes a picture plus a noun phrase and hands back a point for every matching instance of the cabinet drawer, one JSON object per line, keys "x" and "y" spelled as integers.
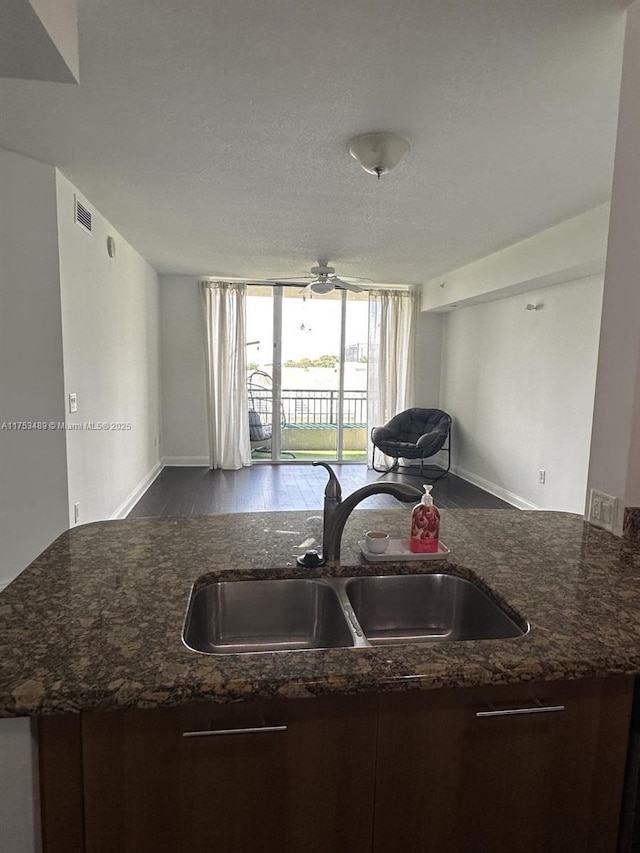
{"x": 535, "y": 767}
{"x": 278, "y": 777}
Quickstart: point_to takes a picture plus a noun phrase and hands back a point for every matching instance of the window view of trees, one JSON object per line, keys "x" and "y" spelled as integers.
{"x": 306, "y": 363}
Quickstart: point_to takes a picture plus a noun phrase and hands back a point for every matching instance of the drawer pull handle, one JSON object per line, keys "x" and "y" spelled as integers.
{"x": 513, "y": 712}
{"x": 249, "y": 730}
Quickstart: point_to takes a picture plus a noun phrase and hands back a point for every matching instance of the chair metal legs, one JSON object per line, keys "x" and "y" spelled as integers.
{"x": 409, "y": 469}
{"x": 382, "y": 470}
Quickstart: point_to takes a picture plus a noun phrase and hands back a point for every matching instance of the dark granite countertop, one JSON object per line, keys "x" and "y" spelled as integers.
{"x": 96, "y": 620}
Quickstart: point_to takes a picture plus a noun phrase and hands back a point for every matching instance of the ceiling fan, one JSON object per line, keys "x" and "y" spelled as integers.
{"x": 324, "y": 280}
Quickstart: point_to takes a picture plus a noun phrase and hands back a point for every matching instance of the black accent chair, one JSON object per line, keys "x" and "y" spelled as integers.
{"x": 413, "y": 434}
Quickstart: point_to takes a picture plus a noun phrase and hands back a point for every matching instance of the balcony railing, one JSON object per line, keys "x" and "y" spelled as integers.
{"x": 310, "y": 422}
{"x": 321, "y": 408}
{"x": 308, "y": 407}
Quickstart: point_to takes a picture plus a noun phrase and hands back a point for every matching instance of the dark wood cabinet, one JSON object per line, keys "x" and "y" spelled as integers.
{"x": 416, "y": 772}
{"x": 278, "y": 777}
{"x": 541, "y": 780}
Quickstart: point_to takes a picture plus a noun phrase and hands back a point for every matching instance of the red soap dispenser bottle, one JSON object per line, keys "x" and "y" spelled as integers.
{"x": 425, "y": 525}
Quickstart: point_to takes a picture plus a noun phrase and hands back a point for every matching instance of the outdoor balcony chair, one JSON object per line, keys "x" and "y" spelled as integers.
{"x": 261, "y": 414}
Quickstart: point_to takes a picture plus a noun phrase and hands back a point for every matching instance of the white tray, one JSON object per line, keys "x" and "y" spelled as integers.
{"x": 399, "y": 549}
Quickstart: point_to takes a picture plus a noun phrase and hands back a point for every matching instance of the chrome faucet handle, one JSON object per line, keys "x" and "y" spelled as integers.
{"x": 333, "y": 489}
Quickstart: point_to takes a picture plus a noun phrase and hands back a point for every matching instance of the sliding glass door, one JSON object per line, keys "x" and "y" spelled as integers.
{"x": 307, "y": 373}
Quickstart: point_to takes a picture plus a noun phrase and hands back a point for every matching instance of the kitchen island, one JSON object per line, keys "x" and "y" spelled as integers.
{"x": 459, "y": 746}
{"x": 96, "y": 621}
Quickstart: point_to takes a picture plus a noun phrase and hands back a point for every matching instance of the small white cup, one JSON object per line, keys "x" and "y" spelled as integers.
{"x": 377, "y": 542}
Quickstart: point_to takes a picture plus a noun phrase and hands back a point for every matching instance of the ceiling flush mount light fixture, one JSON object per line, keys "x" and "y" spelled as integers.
{"x": 378, "y": 153}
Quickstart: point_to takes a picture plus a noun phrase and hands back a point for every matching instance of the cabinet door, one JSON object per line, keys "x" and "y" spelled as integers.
{"x": 300, "y": 778}
{"x": 450, "y": 781}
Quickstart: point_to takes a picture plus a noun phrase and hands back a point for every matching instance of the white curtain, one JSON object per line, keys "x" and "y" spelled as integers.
{"x": 390, "y": 368}
{"x": 223, "y": 306}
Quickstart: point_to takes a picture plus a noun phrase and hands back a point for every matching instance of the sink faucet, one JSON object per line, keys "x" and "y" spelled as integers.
{"x": 337, "y": 511}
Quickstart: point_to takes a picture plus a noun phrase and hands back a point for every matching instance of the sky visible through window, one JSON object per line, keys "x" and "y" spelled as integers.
{"x": 310, "y": 329}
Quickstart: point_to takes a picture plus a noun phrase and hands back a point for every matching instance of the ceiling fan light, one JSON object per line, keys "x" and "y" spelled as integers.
{"x": 378, "y": 153}
{"x": 322, "y": 287}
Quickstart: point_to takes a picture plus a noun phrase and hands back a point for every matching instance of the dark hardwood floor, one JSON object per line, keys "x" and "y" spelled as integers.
{"x": 264, "y": 487}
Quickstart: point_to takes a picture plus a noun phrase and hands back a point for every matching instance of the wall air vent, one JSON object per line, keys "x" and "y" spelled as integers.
{"x": 82, "y": 216}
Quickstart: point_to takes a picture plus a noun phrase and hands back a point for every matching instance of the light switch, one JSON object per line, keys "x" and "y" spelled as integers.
{"x": 73, "y": 403}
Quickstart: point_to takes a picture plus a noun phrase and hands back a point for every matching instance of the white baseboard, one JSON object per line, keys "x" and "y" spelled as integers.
{"x": 185, "y": 461}
{"x": 131, "y": 500}
{"x": 498, "y": 491}
{"x": 3, "y": 584}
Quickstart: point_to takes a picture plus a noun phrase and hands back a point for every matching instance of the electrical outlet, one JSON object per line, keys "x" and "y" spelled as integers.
{"x": 602, "y": 509}
{"x": 73, "y": 403}
{"x": 542, "y": 476}
{"x": 76, "y": 512}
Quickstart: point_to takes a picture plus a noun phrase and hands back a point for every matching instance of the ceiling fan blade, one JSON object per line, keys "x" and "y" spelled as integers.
{"x": 307, "y": 289}
{"x": 296, "y": 279}
{"x": 320, "y": 277}
{"x": 347, "y": 285}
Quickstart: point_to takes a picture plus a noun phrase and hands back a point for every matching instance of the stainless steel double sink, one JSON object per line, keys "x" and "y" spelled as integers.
{"x": 240, "y": 617}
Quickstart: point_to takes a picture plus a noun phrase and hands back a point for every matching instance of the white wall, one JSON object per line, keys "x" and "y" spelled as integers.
{"x": 519, "y": 385}
{"x": 39, "y": 40}
{"x": 615, "y": 448}
{"x": 184, "y": 413}
{"x": 33, "y": 474}
{"x": 110, "y": 326}
{"x": 428, "y": 355}
{"x": 60, "y": 19}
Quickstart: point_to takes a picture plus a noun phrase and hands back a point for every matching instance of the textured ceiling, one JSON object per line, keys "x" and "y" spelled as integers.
{"x": 214, "y": 134}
